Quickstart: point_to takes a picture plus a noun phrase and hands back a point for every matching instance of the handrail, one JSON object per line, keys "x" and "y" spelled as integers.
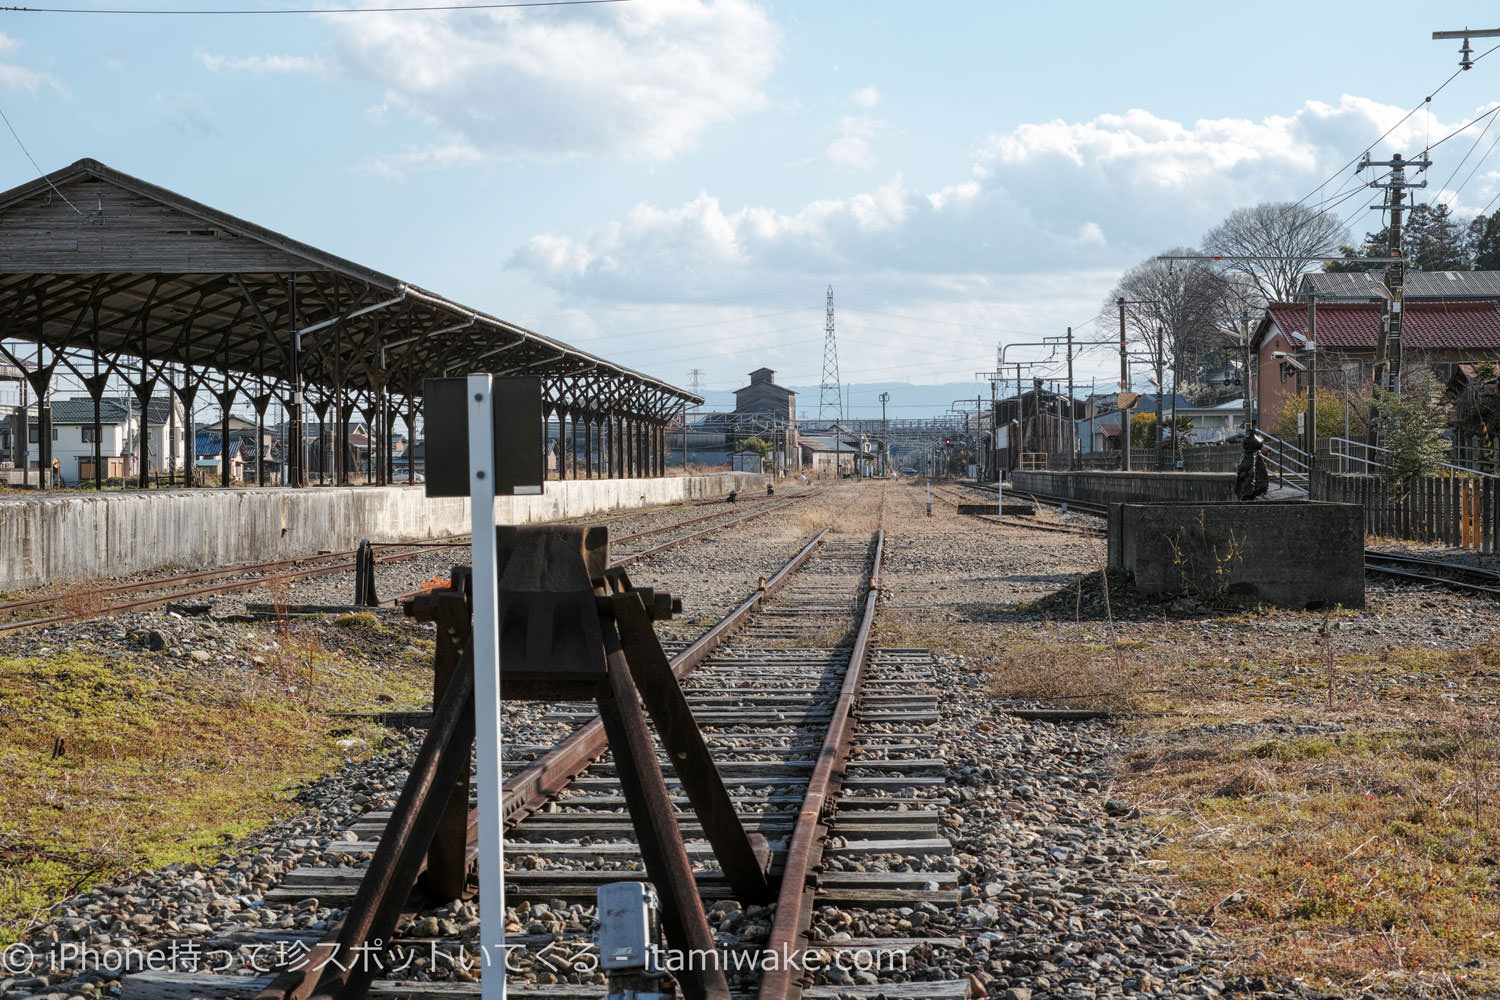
{"x": 1286, "y": 458}
{"x": 1343, "y": 449}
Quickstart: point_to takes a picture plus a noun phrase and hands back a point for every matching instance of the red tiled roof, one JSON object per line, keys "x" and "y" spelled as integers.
{"x": 1429, "y": 324}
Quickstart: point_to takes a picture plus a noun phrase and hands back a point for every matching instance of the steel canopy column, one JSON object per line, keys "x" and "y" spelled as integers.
{"x": 226, "y": 398}
{"x": 296, "y": 447}
{"x": 588, "y": 455}
{"x": 573, "y": 448}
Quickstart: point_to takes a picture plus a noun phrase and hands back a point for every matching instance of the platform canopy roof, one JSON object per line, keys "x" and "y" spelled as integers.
{"x": 95, "y": 260}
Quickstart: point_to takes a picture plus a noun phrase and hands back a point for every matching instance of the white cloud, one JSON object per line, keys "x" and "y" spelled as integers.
{"x": 261, "y": 65}
{"x": 642, "y": 80}
{"x": 17, "y": 77}
{"x": 1035, "y": 228}
{"x": 455, "y": 153}
{"x": 852, "y": 147}
{"x": 188, "y": 113}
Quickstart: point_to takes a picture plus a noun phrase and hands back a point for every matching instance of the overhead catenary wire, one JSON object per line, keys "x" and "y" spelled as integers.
{"x": 39, "y": 172}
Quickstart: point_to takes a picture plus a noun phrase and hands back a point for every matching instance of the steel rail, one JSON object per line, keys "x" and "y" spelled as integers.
{"x": 673, "y": 543}
{"x": 805, "y": 850}
{"x": 529, "y": 789}
{"x": 267, "y": 570}
{"x": 775, "y": 503}
{"x": 1490, "y": 586}
{"x": 540, "y": 781}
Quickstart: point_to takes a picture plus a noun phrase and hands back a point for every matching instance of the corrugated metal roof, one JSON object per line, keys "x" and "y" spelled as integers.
{"x": 1418, "y": 284}
{"x": 1431, "y": 324}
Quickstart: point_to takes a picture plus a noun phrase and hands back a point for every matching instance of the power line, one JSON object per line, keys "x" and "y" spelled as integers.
{"x": 425, "y": 8}
{"x": 38, "y": 169}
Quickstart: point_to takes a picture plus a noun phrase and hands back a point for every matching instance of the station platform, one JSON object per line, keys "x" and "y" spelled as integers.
{"x": 53, "y": 538}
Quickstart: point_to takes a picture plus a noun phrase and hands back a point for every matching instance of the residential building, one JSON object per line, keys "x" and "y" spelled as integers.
{"x": 1438, "y": 333}
{"x": 836, "y": 453}
{"x": 74, "y": 433}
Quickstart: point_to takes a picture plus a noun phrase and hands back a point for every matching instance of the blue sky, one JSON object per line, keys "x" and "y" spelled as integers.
{"x": 672, "y": 184}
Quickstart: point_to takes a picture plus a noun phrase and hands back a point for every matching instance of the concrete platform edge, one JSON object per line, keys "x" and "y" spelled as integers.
{"x": 53, "y": 539}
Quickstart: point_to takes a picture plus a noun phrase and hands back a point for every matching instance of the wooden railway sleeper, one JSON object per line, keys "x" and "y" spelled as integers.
{"x": 570, "y": 628}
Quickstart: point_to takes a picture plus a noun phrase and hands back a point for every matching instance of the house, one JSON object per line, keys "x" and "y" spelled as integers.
{"x": 1437, "y": 332}
{"x": 208, "y": 455}
{"x": 838, "y": 453}
{"x": 118, "y": 430}
{"x": 1213, "y": 424}
{"x": 1331, "y": 286}
{"x": 1099, "y": 429}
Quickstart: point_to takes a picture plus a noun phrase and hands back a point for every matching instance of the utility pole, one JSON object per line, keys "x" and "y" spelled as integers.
{"x": 1388, "y": 341}
{"x": 1072, "y": 421}
{"x": 1161, "y": 382}
{"x": 1245, "y": 385}
{"x": 1311, "y": 348}
{"x": 885, "y": 435}
{"x": 1124, "y": 388}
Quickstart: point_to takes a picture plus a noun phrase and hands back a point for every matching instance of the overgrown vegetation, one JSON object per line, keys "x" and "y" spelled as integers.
{"x": 1411, "y": 428}
{"x": 120, "y": 761}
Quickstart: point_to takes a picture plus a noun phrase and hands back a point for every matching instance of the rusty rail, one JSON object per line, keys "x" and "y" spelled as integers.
{"x": 542, "y": 780}
{"x": 664, "y": 546}
{"x": 289, "y": 569}
{"x": 805, "y": 850}
{"x": 529, "y": 789}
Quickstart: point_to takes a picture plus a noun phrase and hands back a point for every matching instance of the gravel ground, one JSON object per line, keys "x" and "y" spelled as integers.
{"x": 214, "y": 906}
{"x": 1058, "y": 898}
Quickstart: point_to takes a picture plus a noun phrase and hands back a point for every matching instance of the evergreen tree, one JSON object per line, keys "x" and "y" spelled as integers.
{"x": 1484, "y": 242}
{"x": 1431, "y": 240}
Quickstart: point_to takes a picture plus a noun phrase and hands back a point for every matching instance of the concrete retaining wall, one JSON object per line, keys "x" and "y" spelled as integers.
{"x": 1296, "y": 554}
{"x": 1129, "y": 487}
{"x": 56, "y": 539}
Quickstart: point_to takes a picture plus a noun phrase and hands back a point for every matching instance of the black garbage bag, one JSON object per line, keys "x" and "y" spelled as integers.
{"x": 1250, "y": 477}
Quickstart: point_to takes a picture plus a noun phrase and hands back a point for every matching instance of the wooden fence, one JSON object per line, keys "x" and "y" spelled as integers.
{"x": 1447, "y": 509}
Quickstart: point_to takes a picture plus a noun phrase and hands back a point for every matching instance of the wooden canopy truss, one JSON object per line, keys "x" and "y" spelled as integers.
{"x": 108, "y": 277}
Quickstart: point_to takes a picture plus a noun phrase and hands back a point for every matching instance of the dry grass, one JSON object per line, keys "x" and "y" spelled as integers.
{"x": 1326, "y": 798}
{"x": 121, "y": 762}
{"x": 1356, "y": 858}
{"x": 1112, "y": 676}
{"x": 84, "y": 600}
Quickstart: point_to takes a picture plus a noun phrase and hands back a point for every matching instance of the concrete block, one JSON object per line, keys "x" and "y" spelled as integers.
{"x": 1295, "y": 554}
{"x": 1129, "y": 487}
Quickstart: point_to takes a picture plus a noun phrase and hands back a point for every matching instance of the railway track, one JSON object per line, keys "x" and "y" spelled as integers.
{"x": 1454, "y": 576}
{"x": 822, "y": 743}
{"x": 956, "y": 497}
{"x": 90, "y": 602}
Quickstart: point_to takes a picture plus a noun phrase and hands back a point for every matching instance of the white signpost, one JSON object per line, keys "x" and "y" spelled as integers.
{"x": 486, "y": 645}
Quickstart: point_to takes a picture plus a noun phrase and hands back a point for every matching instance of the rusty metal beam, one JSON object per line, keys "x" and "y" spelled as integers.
{"x": 655, "y": 821}
{"x": 743, "y": 858}
{"x": 330, "y": 969}
{"x": 531, "y": 788}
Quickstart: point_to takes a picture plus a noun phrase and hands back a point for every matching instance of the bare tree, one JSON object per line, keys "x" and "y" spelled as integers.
{"x": 1175, "y": 311}
{"x": 1289, "y": 240}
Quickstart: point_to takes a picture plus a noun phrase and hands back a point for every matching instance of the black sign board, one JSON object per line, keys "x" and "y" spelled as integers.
{"x": 520, "y": 455}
